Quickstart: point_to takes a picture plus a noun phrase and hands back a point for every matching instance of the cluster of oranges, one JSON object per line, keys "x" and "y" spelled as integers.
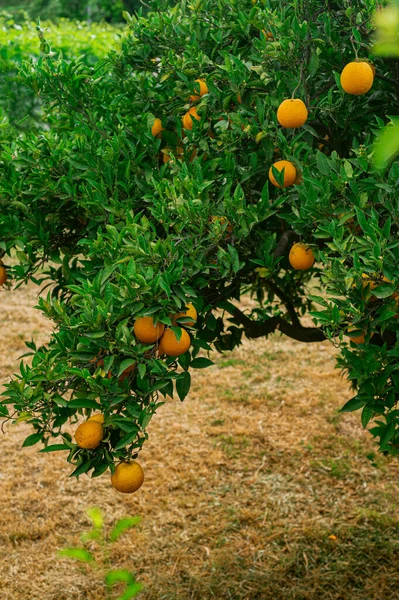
{"x": 357, "y": 78}
{"x": 128, "y": 476}
{"x": 148, "y": 332}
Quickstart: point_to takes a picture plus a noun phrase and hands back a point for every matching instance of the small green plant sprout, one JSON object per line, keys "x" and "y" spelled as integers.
{"x": 99, "y": 558}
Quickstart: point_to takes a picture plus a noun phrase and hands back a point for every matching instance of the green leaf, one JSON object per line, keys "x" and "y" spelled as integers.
{"x": 322, "y": 163}
{"x": 96, "y": 517}
{"x": 353, "y": 404}
{"x": 84, "y": 403}
{"x": 31, "y": 440}
{"x": 125, "y": 364}
{"x": 119, "y": 576}
{"x": 367, "y": 414}
{"x": 201, "y": 363}
{"x": 77, "y": 553}
{"x": 55, "y": 448}
{"x": 131, "y": 591}
{"x": 183, "y": 384}
{"x": 387, "y": 435}
{"x": 126, "y": 440}
{"x": 123, "y": 525}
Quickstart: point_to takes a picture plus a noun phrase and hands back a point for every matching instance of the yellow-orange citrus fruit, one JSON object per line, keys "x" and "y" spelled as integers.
{"x": 368, "y": 61}
{"x": 157, "y": 127}
{"x": 190, "y": 312}
{"x": 358, "y": 338}
{"x": 188, "y": 118}
{"x": 292, "y": 113}
{"x": 301, "y": 257}
{"x": 357, "y": 78}
{"x": 203, "y": 89}
{"x": 289, "y": 173}
{"x": 89, "y": 434}
{"x": 145, "y": 330}
{"x": 169, "y": 153}
{"x": 3, "y": 275}
{"x": 373, "y": 282}
{"x": 171, "y": 346}
{"x": 99, "y": 417}
{"x": 128, "y": 477}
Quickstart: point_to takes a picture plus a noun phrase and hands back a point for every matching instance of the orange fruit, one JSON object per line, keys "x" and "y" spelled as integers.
{"x": 128, "y": 477}
{"x": 358, "y": 338}
{"x": 146, "y": 332}
{"x": 169, "y": 153}
{"x": 357, "y": 78}
{"x": 292, "y": 113}
{"x": 3, "y": 275}
{"x": 171, "y": 346}
{"x": 190, "y": 312}
{"x": 301, "y": 257}
{"x": 289, "y": 173}
{"x": 188, "y": 118}
{"x": 203, "y": 89}
{"x": 99, "y": 417}
{"x": 89, "y": 434}
{"x": 157, "y": 127}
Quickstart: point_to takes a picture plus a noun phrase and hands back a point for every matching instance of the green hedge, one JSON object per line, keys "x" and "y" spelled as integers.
{"x": 19, "y": 42}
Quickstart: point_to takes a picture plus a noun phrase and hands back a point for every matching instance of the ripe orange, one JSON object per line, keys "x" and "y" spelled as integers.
{"x": 188, "y": 118}
{"x": 157, "y": 127}
{"x": 128, "y": 477}
{"x": 99, "y": 417}
{"x": 292, "y": 113}
{"x": 145, "y": 330}
{"x": 301, "y": 257}
{"x": 357, "y": 338}
{"x": 3, "y": 275}
{"x": 169, "y": 153}
{"x": 89, "y": 434}
{"x": 357, "y": 78}
{"x": 171, "y": 346}
{"x": 289, "y": 173}
{"x": 203, "y": 89}
{"x": 190, "y": 312}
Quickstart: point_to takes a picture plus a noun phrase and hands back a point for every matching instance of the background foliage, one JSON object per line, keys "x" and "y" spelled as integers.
{"x": 90, "y": 207}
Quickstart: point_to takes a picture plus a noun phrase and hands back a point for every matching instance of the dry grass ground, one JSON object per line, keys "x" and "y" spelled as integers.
{"x": 245, "y": 483}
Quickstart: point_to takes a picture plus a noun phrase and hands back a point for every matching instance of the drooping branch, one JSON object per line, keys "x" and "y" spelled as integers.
{"x": 255, "y": 329}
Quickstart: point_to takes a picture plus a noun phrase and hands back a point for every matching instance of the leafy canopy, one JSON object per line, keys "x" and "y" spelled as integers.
{"x": 90, "y": 206}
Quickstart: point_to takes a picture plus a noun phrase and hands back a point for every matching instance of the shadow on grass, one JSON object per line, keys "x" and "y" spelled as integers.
{"x": 360, "y": 564}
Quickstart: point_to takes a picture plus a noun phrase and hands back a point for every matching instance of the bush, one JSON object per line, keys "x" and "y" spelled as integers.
{"x": 19, "y": 42}
{"x": 127, "y": 224}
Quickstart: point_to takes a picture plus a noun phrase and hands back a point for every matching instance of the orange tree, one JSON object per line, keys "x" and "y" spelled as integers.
{"x": 149, "y": 192}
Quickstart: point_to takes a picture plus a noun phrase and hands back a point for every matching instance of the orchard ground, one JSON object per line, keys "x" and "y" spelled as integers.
{"x": 256, "y": 488}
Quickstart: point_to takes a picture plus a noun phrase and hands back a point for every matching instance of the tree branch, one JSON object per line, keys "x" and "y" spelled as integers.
{"x": 256, "y": 329}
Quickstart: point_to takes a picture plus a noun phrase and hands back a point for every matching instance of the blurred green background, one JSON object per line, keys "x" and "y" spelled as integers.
{"x": 90, "y": 10}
